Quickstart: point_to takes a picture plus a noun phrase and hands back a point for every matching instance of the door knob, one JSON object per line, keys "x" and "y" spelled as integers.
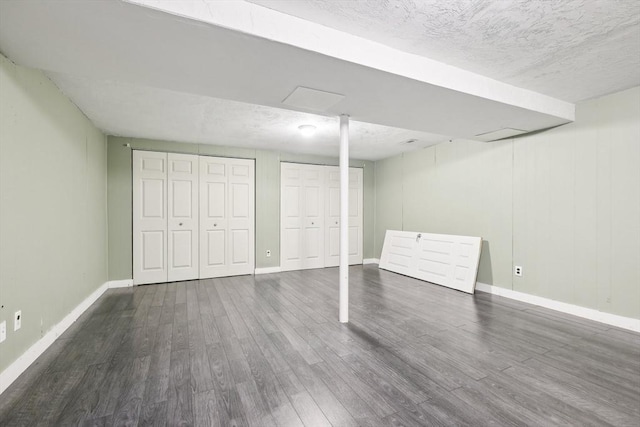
{"x": 215, "y": 225}
{"x": 312, "y": 223}
{"x": 180, "y": 224}
{"x": 336, "y": 222}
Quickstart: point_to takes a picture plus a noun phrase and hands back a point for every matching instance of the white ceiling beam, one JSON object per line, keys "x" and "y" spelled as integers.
{"x": 266, "y": 23}
{"x": 246, "y": 53}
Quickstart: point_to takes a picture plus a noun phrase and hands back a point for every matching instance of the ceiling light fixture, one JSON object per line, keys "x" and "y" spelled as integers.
{"x": 307, "y": 130}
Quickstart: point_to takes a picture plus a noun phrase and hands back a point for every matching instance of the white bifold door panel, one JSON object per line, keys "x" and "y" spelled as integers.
{"x": 182, "y": 217}
{"x": 149, "y": 217}
{"x": 446, "y": 260}
{"x": 227, "y": 206}
{"x": 193, "y": 217}
{"x": 213, "y": 217}
{"x": 332, "y": 215}
{"x": 241, "y": 203}
{"x": 310, "y": 216}
{"x": 302, "y": 216}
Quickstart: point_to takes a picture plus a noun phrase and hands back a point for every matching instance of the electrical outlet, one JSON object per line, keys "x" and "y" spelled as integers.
{"x": 17, "y": 320}
{"x": 3, "y": 330}
{"x": 268, "y": 253}
{"x": 517, "y": 270}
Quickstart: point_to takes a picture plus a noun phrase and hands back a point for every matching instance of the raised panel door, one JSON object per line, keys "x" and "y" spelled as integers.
{"x": 356, "y": 215}
{"x": 182, "y": 217}
{"x": 214, "y": 239}
{"x": 291, "y": 217}
{"x": 149, "y": 217}
{"x": 241, "y": 208}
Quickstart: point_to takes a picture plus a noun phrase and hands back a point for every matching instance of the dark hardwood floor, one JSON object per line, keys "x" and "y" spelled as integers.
{"x": 268, "y": 351}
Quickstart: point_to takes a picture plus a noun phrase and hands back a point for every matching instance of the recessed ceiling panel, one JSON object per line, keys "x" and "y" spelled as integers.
{"x": 312, "y": 99}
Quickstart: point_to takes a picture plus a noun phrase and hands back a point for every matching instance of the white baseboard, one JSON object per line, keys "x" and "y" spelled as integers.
{"x": 586, "y": 313}
{"x": 267, "y": 270}
{"x": 9, "y": 375}
{"x": 126, "y": 283}
{"x": 371, "y": 261}
{"x": 14, "y": 370}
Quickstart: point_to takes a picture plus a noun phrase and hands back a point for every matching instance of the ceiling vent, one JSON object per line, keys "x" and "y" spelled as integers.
{"x": 312, "y": 99}
{"x": 499, "y": 134}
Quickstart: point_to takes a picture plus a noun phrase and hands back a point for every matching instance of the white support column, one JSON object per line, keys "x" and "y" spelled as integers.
{"x": 344, "y": 218}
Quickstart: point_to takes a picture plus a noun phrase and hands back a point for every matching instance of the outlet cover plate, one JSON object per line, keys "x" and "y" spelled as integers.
{"x": 517, "y": 270}
{"x": 17, "y": 320}
{"x": 3, "y": 330}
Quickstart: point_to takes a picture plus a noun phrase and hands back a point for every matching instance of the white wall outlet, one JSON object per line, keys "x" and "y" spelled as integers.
{"x": 17, "y": 320}
{"x": 3, "y": 330}
{"x": 517, "y": 270}
{"x": 268, "y": 253}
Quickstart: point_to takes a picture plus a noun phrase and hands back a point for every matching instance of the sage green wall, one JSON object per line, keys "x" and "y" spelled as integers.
{"x": 563, "y": 203}
{"x": 452, "y": 188}
{"x": 53, "y": 225}
{"x": 267, "y": 196}
{"x": 576, "y": 226}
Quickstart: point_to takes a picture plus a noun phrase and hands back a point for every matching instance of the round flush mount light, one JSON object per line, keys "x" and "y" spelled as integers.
{"x": 307, "y": 130}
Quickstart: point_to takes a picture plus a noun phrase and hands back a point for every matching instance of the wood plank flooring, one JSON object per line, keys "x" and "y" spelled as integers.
{"x": 268, "y": 351}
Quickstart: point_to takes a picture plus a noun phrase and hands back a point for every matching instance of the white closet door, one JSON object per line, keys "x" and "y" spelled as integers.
{"x": 213, "y": 217}
{"x": 227, "y": 217}
{"x": 313, "y": 222}
{"x": 182, "y": 217}
{"x": 332, "y": 210}
{"x": 291, "y": 217}
{"x": 356, "y": 215}
{"x": 302, "y": 217}
{"x": 149, "y": 217}
{"x": 240, "y": 214}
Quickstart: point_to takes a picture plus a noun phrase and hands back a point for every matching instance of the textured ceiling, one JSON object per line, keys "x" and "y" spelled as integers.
{"x": 217, "y": 72}
{"x": 568, "y": 49}
{"x": 141, "y": 112}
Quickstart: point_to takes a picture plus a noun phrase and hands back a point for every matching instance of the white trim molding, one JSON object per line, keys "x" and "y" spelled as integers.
{"x": 126, "y": 283}
{"x": 586, "y": 313}
{"x": 267, "y": 270}
{"x": 370, "y": 261}
{"x": 13, "y": 371}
